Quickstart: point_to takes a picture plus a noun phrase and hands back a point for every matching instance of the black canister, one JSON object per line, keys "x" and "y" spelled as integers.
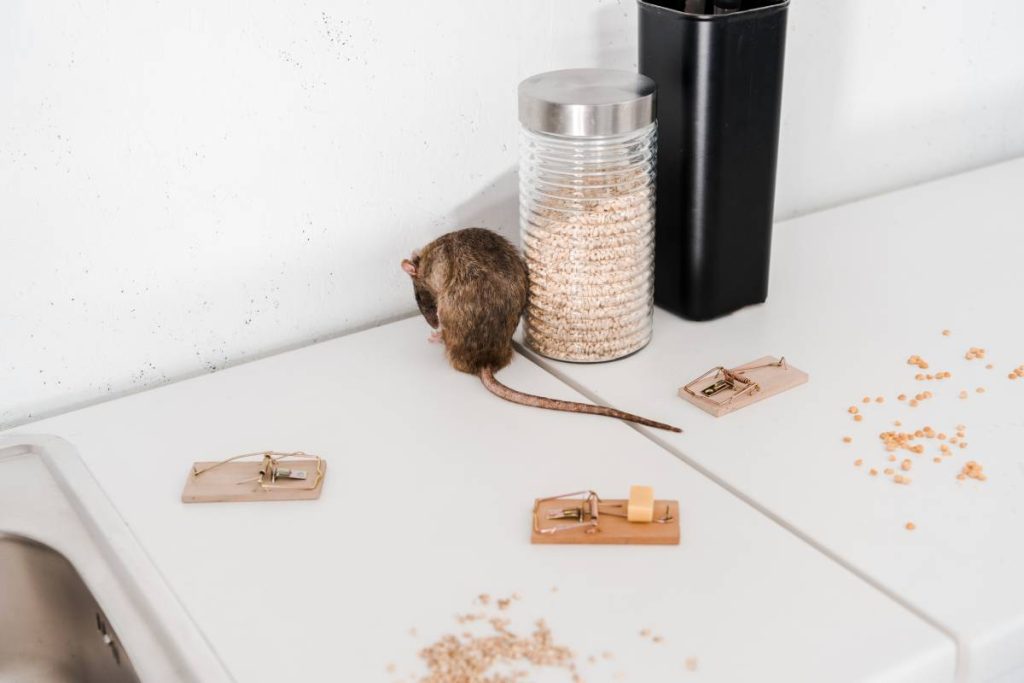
{"x": 718, "y": 68}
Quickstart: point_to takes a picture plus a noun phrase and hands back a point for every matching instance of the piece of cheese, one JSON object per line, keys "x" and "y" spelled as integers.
{"x": 641, "y": 504}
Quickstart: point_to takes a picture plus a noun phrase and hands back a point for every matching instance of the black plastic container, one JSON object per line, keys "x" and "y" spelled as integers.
{"x": 718, "y": 67}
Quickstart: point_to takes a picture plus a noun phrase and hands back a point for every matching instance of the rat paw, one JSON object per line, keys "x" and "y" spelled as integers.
{"x": 435, "y": 338}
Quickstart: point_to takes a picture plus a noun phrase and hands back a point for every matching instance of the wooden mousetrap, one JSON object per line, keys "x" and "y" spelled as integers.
{"x": 583, "y": 518}
{"x": 720, "y": 391}
{"x": 299, "y": 477}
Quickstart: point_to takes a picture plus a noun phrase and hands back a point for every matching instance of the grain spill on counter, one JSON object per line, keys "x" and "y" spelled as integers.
{"x": 936, "y": 445}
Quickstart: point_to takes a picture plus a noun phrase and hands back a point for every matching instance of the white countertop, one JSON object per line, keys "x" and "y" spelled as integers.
{"x": 427, "y": 504}
{"x": 854, "y": 292}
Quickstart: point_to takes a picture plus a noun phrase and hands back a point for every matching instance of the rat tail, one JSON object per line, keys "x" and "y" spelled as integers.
{"x": 502, "y": 391}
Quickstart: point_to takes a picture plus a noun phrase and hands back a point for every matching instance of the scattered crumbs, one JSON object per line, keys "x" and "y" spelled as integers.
{"x": 911, "y": 526}
{"x": 691, "y": 663}
{"x": 503, "y": 603}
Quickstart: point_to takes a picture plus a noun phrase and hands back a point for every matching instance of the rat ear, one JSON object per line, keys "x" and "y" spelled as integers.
{"x": 409, "y": 267}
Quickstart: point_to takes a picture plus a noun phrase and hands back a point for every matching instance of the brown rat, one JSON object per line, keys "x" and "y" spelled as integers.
{"x": 471, "y": 286}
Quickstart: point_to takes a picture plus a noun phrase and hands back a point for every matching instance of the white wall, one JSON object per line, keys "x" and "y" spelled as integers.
{"x": 184, "y": 186}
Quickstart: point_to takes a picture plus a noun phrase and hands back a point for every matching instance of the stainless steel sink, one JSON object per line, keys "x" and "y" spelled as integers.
{"x": 52, "y": 627}
{"x": 80, "y": 599}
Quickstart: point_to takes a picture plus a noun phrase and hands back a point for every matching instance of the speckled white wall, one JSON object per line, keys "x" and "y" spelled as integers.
{"x": 184, "y": 186}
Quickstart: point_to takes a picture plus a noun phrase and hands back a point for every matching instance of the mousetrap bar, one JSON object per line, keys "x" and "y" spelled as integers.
{"x": 720, "y": 390}
{"x": 584, "y": 518}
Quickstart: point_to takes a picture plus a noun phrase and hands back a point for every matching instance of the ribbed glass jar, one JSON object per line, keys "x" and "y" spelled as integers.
{"x": 587, "y": 226}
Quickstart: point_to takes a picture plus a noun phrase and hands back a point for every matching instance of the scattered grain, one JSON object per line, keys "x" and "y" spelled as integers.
{"x": 911, "y": 526}
{"x": 906, "y": 464}
{"x": 858, "y": 462}
{"x": 852, "y": 410}
{"x": 858, "y": 418}
{"x": 873, "y": 472}
{"x": 847, "y": 439}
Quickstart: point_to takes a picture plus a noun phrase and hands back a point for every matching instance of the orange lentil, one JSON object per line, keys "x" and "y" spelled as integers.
{"x": 980, "y": 390}
{"x": 847, "y": 439}
{"x": 866, "y": 399}
{"x": 879, "y": 399}
{"x": 873, "y": 471}
{"x": 858, "y": 418}
{"x": 906, "y": 465}
{"x": 852, "y": 410}
{"x": 963, "y": 394}
{"x": 913, "y": 403}
{"x": 887, "y": 471}
{"x": 901, "y": 397}
{"x": 941, "y": 436}
{"x": 898, "y": 423}
{"x": 936, "y": 459}
{"x": 857, "y": 462}
{"x": 945, "y": 333}
{"x": 892, "y": 458}
{"x": 963, "y": 444}
{"x": 911, "y": 526}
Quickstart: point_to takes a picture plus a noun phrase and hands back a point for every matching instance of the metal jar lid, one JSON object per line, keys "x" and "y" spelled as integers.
{"x": 587, "y": 102}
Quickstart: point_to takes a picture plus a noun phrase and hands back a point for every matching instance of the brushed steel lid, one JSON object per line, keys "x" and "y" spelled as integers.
{"x": 587, "y": 102}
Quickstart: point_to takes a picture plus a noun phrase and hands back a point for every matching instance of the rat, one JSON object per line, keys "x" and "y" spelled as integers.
{"x": 471, "y": 286}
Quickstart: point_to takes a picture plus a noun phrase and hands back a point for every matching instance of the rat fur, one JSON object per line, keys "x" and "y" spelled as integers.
{"x": 471, "y": 285}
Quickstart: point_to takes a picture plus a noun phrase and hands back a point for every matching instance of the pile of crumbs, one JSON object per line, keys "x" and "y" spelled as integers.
{"x": 497, "y": 655}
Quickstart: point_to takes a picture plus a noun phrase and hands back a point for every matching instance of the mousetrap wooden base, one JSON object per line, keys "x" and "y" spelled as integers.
{"x": 611, "y": 530}
{"x": 720, "y": 391}
{"x": 220, "y": 483}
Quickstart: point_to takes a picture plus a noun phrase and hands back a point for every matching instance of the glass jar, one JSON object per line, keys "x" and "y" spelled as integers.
{"x": 586, "y": 203}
